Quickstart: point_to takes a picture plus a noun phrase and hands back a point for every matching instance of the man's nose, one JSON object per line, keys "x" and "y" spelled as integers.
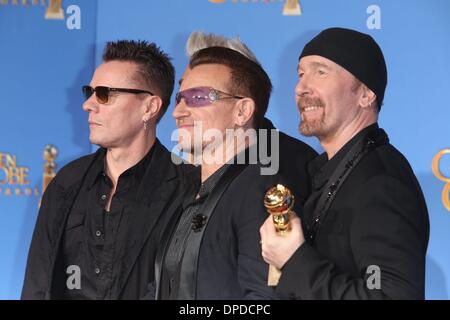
{"x": 180, "y": 110}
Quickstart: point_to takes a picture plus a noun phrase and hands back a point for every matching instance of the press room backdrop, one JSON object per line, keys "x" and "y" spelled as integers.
{"x": 49, "y": 49}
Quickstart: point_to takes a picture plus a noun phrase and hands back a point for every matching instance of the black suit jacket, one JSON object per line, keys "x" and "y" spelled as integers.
{"x": 159, "y": 195}
{"x": 230, "y": 265}
{"x": 378, "y": 218}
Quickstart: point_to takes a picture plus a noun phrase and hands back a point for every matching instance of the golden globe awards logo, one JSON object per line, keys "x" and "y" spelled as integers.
{"x": 290, "y": 8}
{"x": 53, "y": 10}
{"x": 14, "y": 178}
{"x": 438, "y": 174}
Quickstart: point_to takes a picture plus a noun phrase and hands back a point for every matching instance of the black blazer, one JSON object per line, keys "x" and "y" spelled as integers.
{"x": 159, "y": 193}
{"x": 230, "y": 265}
{"x": 378, "y": 218}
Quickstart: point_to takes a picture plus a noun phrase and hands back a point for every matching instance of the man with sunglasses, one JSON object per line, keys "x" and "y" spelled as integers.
{"x": 211, "y": 251}
{"x": 102, "y": 215}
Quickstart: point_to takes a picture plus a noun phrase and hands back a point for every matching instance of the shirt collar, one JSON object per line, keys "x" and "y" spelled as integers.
{"x": 98, "y": 168}
{"x": 321, "y": 169}
{"x": 208, "y": 185}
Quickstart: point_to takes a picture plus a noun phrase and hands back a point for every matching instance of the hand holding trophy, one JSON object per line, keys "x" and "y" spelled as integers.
{"x": 278, "y": 201}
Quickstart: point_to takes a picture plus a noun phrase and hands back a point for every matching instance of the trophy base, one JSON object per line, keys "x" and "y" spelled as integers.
{"x": 294, "y": 11}
{"x": 55, "y": 15}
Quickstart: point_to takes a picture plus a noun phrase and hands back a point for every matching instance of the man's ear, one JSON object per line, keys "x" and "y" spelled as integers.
{"x": 244, "y": 112}
{"x": 367, "y": 97}
{"x": 153, "y": 105}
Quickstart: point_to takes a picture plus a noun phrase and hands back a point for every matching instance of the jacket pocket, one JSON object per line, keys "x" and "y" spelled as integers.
{"x": 74, "y": 220}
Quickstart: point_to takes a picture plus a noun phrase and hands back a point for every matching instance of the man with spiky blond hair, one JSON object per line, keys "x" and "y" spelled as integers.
{"x": 212, "y": 249}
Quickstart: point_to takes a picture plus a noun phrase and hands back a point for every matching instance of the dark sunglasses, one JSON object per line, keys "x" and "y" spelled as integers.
{"x": 102, "y": 93}
{"x": 202, "y": 96}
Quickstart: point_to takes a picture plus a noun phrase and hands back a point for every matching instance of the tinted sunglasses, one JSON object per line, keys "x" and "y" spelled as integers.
{"x": 202, "y": 96}
{"x": 102, "y": 93}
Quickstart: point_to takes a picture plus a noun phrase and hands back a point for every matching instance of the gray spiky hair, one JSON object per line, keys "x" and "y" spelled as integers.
{"x": 199, "y": 40}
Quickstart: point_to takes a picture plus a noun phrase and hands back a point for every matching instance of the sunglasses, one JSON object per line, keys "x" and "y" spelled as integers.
{"x": 202, "y": 96}
{"x": 103, "y": 93}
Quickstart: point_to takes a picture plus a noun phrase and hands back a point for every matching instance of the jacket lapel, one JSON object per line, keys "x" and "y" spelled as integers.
{"x": 190, "y": 188}
{"x": 158, "y": 186}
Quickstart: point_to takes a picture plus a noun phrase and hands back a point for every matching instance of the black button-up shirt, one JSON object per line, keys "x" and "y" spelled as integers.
{"x": 94, "y": 238}
{"x": 172, "y": 263}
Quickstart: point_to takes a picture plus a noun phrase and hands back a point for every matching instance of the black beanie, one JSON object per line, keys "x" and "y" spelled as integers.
{"x": 356, "y": 52}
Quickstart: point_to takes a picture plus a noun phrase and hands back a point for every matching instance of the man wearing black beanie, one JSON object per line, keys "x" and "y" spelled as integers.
{"x": 364, "y": 230}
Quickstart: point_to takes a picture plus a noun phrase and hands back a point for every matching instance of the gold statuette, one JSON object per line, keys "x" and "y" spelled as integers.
{"x": 292, "y": 8}
{"x": 54, "y": 10}
{"x": 50, "y": 154}
{"x": 278, "y": 201}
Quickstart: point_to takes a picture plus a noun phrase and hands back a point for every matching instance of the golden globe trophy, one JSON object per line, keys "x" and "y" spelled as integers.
{"x": 292, "y": 8}
{"x": 278, "y": 201}
{"x": 54, "y": 10}
{"x": 50, "y": 154}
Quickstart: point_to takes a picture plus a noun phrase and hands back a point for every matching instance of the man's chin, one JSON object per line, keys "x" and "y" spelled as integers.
{"x": 95, "y": 141}
{"x": 306, "y": 130}
{"x": 98, "y": 142}
{"x": 186, "y": 148}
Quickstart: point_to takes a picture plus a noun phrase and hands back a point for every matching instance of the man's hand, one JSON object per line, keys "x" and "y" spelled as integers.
{"x": 278, "y": 248}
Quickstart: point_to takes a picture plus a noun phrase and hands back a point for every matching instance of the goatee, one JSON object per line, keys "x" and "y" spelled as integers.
{"x": 312, "y": 127}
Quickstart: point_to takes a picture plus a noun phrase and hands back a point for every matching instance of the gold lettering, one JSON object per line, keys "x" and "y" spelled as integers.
{"x": 10, "y": 160}
{"x": 14, "y": 175}
{"x": 6, "y": 171}
{"x": 19, "y": 191}
{"x": 446, "y": 196}
{"x": 24, "y": 2}
{"x": 10, "y": 173}
{"x": 23, "y": 175}
{"x": 435, "y": 165}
